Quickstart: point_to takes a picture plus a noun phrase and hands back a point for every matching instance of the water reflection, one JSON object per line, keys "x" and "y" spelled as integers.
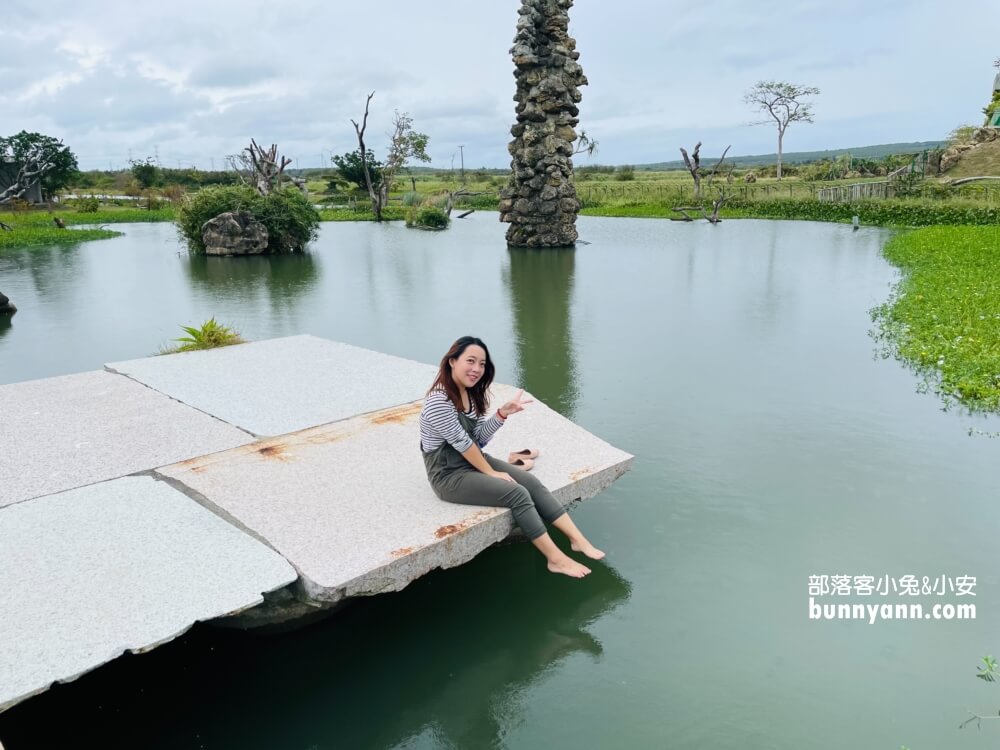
{"x": 540, "y": 283}
{"x": 459, "y": 666}
{"x": 285, "y": 278}
{"x": 57, "y": 274}
{"x": 6, "y": 322}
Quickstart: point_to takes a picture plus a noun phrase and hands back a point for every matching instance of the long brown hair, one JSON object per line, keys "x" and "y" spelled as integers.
{"x": 446, "y": 383}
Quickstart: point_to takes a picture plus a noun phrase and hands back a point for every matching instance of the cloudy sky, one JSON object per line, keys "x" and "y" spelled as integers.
{"x": 194, "y": 81}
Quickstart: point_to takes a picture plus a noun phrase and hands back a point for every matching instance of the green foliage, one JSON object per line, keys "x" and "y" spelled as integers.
{"x": 992, "y": 107}
{"x": 48, "y": 234}
{"x": 145, "y": 172}
{"x": 625, "y": 173}
{"x": 210, "y": 335}
{"x": 961, "y": 135}
{"x": 900, "y": 213}
{"x": 64, "y": 166}
{"x": 351, "y": 170}
{"x": 988, "y": 671}
{"x": 429, "y": 217}
{"x": 88, "y": 205}
{"x": 291, "y": 220}
{"x": 943, "y": 319}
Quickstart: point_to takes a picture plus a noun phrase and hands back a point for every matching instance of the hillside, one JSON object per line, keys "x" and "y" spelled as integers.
{"x": 801, "y": 157}
{"x": 981, "y": 161}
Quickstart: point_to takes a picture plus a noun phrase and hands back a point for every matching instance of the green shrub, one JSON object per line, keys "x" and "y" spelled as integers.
{"x": 291, "y": 220}
{"x": 89, "y": 205}
{"x": 431, "y": 217}
{"x": 625, "y": 173}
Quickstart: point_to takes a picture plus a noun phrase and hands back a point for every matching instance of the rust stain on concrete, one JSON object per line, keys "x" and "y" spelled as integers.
{"x": 275, "y": 451}
{"x": 401, "y": 552}
{"x": 397, "y": 415}
{"x": 576, "y": 476}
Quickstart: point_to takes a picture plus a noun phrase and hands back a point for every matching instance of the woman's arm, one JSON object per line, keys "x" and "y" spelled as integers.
{"x": 475, "y": 457}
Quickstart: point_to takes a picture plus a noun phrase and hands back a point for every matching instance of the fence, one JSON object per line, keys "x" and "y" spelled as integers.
{"x": 859, "y": 191}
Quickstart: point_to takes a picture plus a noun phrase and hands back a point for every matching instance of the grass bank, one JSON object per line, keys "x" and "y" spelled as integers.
{"x": 32, "y": 228}
{"x": 889, "y": 213}
{"x": 944, "y": 317}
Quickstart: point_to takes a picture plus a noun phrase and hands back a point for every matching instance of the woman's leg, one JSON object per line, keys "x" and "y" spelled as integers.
{"x": 475, "y": 488}
{"x": 549, "y": 508}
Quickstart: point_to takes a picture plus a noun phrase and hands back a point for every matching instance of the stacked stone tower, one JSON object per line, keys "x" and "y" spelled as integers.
{"x": 540, "y": 200}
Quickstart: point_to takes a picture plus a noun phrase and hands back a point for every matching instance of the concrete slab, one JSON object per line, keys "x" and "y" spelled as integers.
{"x": 283, "y": 385}
{"x": 120, "y": 566}
{"x": 65, "y": 432}
{"x": 348, "y": 504}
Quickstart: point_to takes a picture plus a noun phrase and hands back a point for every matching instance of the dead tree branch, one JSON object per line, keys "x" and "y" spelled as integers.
{"x": 692, "y": 164}
{"x": 32, "y": 169}
{"x": 717, "y": 165}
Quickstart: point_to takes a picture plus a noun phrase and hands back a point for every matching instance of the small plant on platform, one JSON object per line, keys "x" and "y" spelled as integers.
{"x": 210, "y": 335}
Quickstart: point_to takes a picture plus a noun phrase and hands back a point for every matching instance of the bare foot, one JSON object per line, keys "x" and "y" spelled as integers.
{"x": 588, "y": 549}
{"x": 568, "y": 567}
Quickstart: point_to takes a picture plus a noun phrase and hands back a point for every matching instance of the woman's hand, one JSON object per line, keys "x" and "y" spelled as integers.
{"x": 502, "y": 475}
{"x": 515, "y": 405}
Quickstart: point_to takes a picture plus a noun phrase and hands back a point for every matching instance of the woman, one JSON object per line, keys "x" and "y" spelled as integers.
{"x": 453, "y": 430}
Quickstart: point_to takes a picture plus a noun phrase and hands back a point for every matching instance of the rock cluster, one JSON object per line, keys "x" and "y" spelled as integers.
{"x": 953, "y": 154}
{"x": 6, "y": 306}
{"x": 540, "y": 200}
{"x": 234, "y": 233}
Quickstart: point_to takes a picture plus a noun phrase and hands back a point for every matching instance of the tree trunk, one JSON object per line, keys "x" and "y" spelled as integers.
{"x": 781, "y": 135}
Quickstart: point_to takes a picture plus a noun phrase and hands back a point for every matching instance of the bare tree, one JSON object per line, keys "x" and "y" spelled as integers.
{"x": 32, "y": 168}
{"x": 718, "y": 164}
{"x": 783, "y": 103}
{"x": 261, "y": 169}
{"x": 404, "y": 144}
{"x": 693, "y": 164}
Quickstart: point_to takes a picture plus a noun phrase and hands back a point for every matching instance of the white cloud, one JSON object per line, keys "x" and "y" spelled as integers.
{"x": 196, "y": 80}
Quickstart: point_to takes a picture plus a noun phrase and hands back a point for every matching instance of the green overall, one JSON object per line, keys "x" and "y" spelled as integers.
{"x": 455, "y": 480}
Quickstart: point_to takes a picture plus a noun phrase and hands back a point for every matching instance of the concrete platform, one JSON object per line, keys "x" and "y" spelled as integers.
{"x": 124, "y": 565}
{"x": 70, "y": 431}
{"x": 283, "y": 385}
{"x": 94, "y": 563}
{"x": 348, "y": 504}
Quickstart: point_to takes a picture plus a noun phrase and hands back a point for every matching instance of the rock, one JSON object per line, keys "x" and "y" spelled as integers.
{"x": 234, "y": 233}
{"x": 950, "y": 158}
{"x": 986, "y": 135}
{"x": 6, "y": 306}
{"x": 750, "y": 177}
{"x": 548, "y": 78}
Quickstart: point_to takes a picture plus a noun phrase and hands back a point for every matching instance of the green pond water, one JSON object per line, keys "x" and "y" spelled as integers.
{"x": 771, "y": 444}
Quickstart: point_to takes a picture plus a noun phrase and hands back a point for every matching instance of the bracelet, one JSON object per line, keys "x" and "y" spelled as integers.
{"x": 502, "y": 417}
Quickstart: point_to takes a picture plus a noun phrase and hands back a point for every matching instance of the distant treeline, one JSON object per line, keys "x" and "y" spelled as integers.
{"x": 190, "y": 178}
{"x": 803, "y": 157}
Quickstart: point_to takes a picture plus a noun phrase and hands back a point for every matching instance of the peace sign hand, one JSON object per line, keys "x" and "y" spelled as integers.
{"x": 515, "y": 405}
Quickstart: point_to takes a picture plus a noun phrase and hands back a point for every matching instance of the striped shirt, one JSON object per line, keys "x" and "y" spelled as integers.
{"x": 439, "y": 424}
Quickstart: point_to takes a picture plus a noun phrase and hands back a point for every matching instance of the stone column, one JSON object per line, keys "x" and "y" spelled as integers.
{"x": 540, "y": 200}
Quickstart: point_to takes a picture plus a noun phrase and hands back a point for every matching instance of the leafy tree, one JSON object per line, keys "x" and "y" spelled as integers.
{"x": 783, "y": 103}
{"x": 404, "y": 144}
{"x": 350, "y": 168}
{"x": 146, "y": 173}
{"x": 39, "y": 158}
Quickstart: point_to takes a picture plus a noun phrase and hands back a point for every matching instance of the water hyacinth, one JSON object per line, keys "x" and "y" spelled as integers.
{"x": 942, "y": 317}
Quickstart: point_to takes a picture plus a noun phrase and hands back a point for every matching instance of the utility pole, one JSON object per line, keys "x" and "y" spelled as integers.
{"x": 462, "y": 151}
